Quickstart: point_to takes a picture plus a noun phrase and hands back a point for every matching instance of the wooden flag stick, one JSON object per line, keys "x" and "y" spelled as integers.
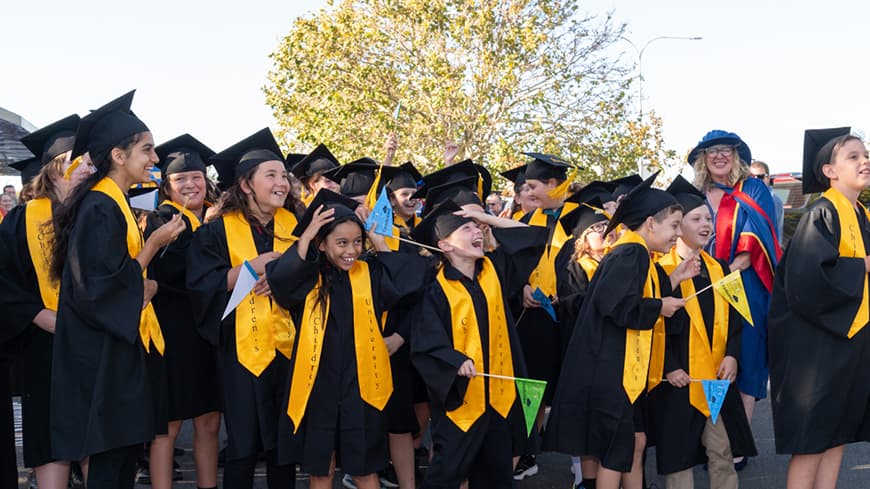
{"x": 698, "y": 292}
{"x": 416, "y": 243}
{"x": 696, "y": 380}
{"x": 494, "y": 376}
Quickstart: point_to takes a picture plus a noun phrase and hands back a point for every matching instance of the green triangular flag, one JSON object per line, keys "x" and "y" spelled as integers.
{"x": 531, "y": 393}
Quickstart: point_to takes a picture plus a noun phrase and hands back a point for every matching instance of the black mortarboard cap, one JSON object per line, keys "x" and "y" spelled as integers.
{"x": 544, "y": 167}
{"x": 317, "y": 161}
{"x": 184, "y": 153}
{"x": 54, "y": 139}
{"x": 245, "y": 155}
{"x": 357, "y": 177}
{"x": 460, "y": 192}
{"x": 292, "y": 159}
{"x": 406, "y": 176}
{"x": 106, "y": 127}
{"x": 639, "y": 203}
{"x": 818, "y": 149}
{"x": 438, "y": 224}
{"x": 603, "y": 191}
{"x": 623, "y": 185}
{"x": 454, "y": 173}
{"x": 29, "y": 168}
{"x": 687, "y": 195}
{"x": 585, "y": 215}
{"x": 516, "y": 175}
{"x": 344, "y": 207}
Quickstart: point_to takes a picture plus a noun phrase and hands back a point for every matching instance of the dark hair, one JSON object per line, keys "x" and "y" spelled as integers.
{"x": 325, "y": 276}
{"x": 65, "y": 216}
{"x": 661, "y": 215}
{"x": 235, "y": 199}
{"x": 8, "y": 186}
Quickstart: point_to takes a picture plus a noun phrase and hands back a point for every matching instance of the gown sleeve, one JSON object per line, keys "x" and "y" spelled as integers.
{"x": 106, "y": 287}
{"x": 291, "y": 278}
{"x": 208, "y": 262}
{"x": 517, "y": 255}
{"x": 20, "y": 300}
{"x": 168, "y": 267}
{"x": 820, "y": 285}
{"x": 624, "y": 304}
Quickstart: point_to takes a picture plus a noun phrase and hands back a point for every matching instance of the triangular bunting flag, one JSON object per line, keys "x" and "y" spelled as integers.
{"x": 714, "y": 391}
{"x": 246, "y": 281}
{"x": 531, "y": 394}
{"x": 146, "y": 202}
{"x": 731, "y": 289}
{"x": 546, "y": 303}
{"x": 381, "y": 215}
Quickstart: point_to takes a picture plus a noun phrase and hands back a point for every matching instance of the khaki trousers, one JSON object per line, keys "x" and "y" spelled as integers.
{"x": 720, "y": 462}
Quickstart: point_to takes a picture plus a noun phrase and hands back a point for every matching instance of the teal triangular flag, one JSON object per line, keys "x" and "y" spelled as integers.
{"x": 715, "y": 391}
{"x": 531, "y": 394}
{"x": 381, "y": 216}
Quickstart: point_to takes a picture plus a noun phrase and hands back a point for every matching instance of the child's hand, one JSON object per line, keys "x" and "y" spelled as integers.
{"x": 394, "y": 342}
{"x": 528, "y": 300}
{"x": 167, "y": 233}
{"x": 467, "y": 369}
{"x": 678, "y": 378}
{"x": 150, "y": 291}
{"x": 728, "y": 369}
{"x": 259, "y": 263}
{"x": 688, "y": 269}
{"x": 670, "y": 305}
{"x": 261, "y": 287}
{"x": 320, "y": 217}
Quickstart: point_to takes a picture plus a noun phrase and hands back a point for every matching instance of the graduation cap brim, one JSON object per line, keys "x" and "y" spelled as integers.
{"x": 624, "y": 184}
{"x": 639, "y": 203}
{"x": 583, "y": 216}
{"x": 54, "y": 139}
{"x": 292, "y": 159}
{"x": 106, "y": 127}
{"x": 406, "y": 175}
{"x": 818, "y": 150}
{"x": 460, "y": 192}
{"x": 246, "y": 155}
{"x": 317, "y": 161}
{"x": 600, "y": 190}
{"x": 687, "y": 195}
{"x": 438, "y": 224}
{"x": 28, "y": 168}
{"x": 544, "y": 167}
{"x": 343, "y": 205}
{"x": 515, "y": 175}
{"x": 183, "y": 153}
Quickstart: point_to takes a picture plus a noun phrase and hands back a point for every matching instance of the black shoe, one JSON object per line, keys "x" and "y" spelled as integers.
{"x": 741, "y": 464}
{"x": 76, "y": 480}
{"x": 178, "y": 452}
{"x": 526, "y": 467}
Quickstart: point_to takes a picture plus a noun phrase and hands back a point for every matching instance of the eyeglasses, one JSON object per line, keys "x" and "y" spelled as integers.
{"x": 760, "y": 176}
{"x": 598, "y": 227}
{"x": 722, "y": 150}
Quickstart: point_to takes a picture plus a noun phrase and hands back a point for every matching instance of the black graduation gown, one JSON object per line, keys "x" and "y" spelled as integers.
{"x": 434, "y": 356}
{"x": 675, "y": 425}
{"x": 251, "y": 404}
{"x": 100, "y": 387}
{"x": 540, "y": 336}
{"x": 571, "y": 294}
{"x": 591, "y": 414}
{"x": 20, "y": 302}
{"x": 819, "y": 379}
{"x": 191, "y": 383}
{"x": 8, "y": 462}
{"x": 336, "y": 417}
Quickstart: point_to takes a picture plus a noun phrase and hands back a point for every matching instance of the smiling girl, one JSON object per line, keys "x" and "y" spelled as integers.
{"x": 253, "y": 343}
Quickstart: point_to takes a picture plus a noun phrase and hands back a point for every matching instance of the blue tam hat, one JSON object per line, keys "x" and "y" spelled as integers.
{"x": 718, "y": 136}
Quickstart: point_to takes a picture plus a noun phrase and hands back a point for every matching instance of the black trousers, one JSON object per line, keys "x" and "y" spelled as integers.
{"x": 239, "y": 473}
{"x": 482, "y": 454}
{"x": 115, "y": 468}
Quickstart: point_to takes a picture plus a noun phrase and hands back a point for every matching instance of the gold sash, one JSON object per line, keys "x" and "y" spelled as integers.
{"x": 703, "y": 360}
{"x": 40, "y": 232}
{"x": 262, "y": 326}
{"x": 466, "y": 340}
{"x": 644, "y": 350}
{"x": 589, "y": 265}
{"x": 195, "y": 223}
{"x": 149, "y": 328}
{"x": 851, "y": 246}
{"x": 372, "y": 358}
{"x": 544, "y": 274}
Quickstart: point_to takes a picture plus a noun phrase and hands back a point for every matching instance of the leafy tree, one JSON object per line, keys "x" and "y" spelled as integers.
{"x": 498, "y": 76}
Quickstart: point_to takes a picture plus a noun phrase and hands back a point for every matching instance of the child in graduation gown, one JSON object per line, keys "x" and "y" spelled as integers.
{"x": 599, "y": 413}
{"x": 254, "y": 341}
{"x": 28, "y": 296}
{"x": 102, "y": 405}
{"x": 310, "y": 171}
{"x": 819, "y": 342}
{"x": 466, "y": 328}
{"x": 340, "y": 378}
{"x": 703, "y": 343}
{"x": 190, "y": 384}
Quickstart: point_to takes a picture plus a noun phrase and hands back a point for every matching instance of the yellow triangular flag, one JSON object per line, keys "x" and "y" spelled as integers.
{"x": 731, "y": 289}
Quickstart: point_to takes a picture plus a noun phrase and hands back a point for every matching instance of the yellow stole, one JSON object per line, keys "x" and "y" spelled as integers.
{"x": 851, "y": 246}
{"x": 195, "y": 223}
{"x": 589, "y": 265}
{"x": 149, "y": 328}
{"x": 703, "y": 360}
{"x": 307, "y": 198}
{"x": 466, "y": 340}
{"x": 644, "y": 361}
{"x": 262, "y": 326}
{"x": 40, "y": 232}
{"x": 544, "y": 274}
{"x": 372, "y": 357}
{"x": 518, "y": 215}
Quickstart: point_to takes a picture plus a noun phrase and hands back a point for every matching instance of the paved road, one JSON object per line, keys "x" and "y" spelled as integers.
{"x": 763, "y": 472}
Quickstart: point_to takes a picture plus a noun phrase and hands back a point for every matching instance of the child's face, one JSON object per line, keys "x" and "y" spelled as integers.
{"x": 662, "y": 236}
{"x": 696, "y": 228}
{"x": 465, "y": 242}
{"x": 595, "y": 236}
{"x": 268, "y": 187}
{"x": 343, "y": 245}
{"x": 403, "y": 204}
{"x": 850, "y": 169}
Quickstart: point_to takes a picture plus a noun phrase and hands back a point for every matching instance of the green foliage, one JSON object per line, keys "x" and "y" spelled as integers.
{"x": 497, "y": 76}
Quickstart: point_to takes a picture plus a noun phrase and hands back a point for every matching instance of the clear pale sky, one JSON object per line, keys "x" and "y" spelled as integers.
{"x": 763, "y": 70}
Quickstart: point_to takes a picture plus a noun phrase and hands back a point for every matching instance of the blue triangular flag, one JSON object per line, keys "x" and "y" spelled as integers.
{"x": 381, "y": 216}
{"x": 714, "y": 391}
{"x": 539, "y": 296}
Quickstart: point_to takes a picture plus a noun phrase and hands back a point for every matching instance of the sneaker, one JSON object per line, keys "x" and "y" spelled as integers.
{"x": 143, "y": 476}
{"x": 347, "y": 481}
{"x": 177, "y": 475}
{"x": 31, "y": 480}
{"x": 526, "y": 467}
{"x": 76, "y": 480}
{"x": 388, "y": 477}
